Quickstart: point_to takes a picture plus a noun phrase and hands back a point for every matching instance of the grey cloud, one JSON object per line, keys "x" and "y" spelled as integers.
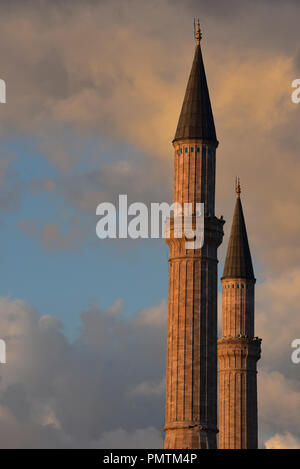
{"x": 145, "y": 438}
{"x": 81, "y": 394}
{"x": 141, "y": 178}
{"x": 106, "y": 388}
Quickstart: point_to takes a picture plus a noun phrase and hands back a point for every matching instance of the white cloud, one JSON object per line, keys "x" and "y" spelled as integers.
{"x": 285, "y": 441}
{"x": 147, "y": 388}
{"x": 277, "y": 320}
{"x": 279, "y": 402}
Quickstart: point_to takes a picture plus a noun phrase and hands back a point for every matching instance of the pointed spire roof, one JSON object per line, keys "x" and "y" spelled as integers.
{"x": 196, "y": 117}
{"x": 238, "y": 262}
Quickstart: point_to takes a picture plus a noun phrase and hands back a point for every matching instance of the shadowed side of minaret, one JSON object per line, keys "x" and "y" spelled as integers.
{"x": 238, "y": 349}
{"x": 191, "y": 374}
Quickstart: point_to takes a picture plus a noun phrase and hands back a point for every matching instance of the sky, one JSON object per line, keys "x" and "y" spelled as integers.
{"x": 94, "y": 91}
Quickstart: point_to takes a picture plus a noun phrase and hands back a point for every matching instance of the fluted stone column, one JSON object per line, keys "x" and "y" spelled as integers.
{"x": 238, "y": 353}
{"x": 191, "y": 377}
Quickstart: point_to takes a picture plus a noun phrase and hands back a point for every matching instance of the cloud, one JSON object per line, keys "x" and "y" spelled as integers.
{"x": 74, "y": 76}
{"x": 277, "y": 320}
{"x": 120, "y": 80}
{"x": 138, "y": 177}
{"x": 279, "y": 403}
{"x": 258, "y": 140}
{"x": 154, "y": 316}
{"x": 103, "y": 390}
{"x": 144, "y": 438}
{"x": 147, "y": 388}
{"x": 285, "y": 441}
{"x": 106, "y": 388}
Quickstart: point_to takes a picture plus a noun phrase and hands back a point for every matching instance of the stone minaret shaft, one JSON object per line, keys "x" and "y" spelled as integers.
{"x": 238, "y": 349}
{"x": 191, "y": 375}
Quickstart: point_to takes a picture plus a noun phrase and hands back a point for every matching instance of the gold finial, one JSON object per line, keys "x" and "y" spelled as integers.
{"x": 197, "y": 32}
{"x": 237, "y": 186}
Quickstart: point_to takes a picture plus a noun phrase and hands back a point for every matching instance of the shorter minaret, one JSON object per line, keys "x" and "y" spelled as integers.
{"x": 238, "y": 349}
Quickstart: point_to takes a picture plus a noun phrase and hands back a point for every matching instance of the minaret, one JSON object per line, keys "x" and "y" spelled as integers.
{"x": 191, "y": 375}
{"x": 238, "y": 349}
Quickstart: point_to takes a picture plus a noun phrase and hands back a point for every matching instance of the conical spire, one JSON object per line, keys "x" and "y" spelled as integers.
{"x": 196, "y": 117}
{"x": 238, "y": 262}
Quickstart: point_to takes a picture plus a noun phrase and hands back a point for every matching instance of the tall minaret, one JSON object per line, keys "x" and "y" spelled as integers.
{"x": 238, "y": 349}
{"x": 191, "y": 375}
